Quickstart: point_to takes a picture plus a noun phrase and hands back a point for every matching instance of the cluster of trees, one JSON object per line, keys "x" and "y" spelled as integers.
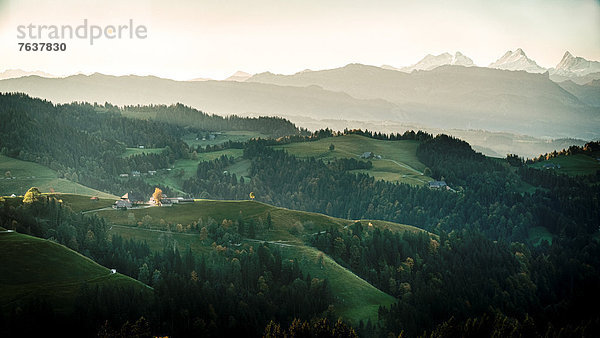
{"x": 589, "y": 148}
{"x": 85, "y": 142}
{"x": 86, "y": 145}
{"x": 464, "y": 275}
{"x": 320, "y": 328}
{"x": 182, "y": 115}
{"x": 230, "y": 290}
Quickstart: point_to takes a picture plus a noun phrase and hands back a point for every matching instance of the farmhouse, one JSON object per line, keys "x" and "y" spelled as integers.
{"x": 122, "y": 204}
{"x": 437, "y": 185}
{"x": 551, "y": 166}
{"x": 133, "y": 198}
{"x": 370, "y": 154}
{"x": 177, "y": 200}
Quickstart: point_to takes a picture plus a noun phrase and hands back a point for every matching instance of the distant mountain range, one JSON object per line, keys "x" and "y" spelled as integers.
{"x": 448, "y": 96}
{"x": 223, "y": 97}
{"x": 576, "y": 69}
{"x": 430, "y": 62}
{"x": 462, "y": 97}
{"x": 16, "y": 73}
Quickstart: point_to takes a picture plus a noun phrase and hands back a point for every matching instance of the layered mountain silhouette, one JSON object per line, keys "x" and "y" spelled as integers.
{"x": 461, "y": 97}
{"x": 445, "y": 97}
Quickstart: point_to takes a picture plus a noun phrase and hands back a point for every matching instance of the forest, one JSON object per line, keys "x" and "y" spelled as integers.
{"x": 223, "y": 292}
{"x": 478, "y": 272}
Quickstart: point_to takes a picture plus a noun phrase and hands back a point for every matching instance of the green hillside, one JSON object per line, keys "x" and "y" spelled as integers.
{"x": 398, "y": 162}
{"x": 577, "y": 164}
{"x": 183, "y": 169}
{"x": 84, "y": 203}
{"x": 355, "y": 298}
{"x": 283, "y": 219}
{"x": 33, "y": 267}
{"x": 24, "y": 175}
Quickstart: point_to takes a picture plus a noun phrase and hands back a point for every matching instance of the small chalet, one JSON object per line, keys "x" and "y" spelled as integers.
{"x": 367, "y": 154}
{"x": 551, "y": 166}
{"x": 122, "y": 204}
{"x": 437, "y": 185}
{"x": 128, "y": 201}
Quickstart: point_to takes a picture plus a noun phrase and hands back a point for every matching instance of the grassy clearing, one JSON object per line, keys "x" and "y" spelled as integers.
{"x": 399, "y": 162}
{"x": 539, "y": 234}
{"x": 33, "y": 267}
{"x": 241, "y": 168}
{"x": 573, "y": 165}
{"x": 137, "y": 151}
{"x": 84, "y": 203}
{"x": 355, "y": 298}
{"x": 25, "y": 175}
{"x": 185, "y": 168}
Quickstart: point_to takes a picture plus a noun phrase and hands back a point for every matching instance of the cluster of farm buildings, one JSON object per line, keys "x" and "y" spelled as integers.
{"x": 132, "y": 200}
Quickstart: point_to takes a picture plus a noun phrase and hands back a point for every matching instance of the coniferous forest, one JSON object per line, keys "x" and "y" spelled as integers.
{"x": 475, "y": 270}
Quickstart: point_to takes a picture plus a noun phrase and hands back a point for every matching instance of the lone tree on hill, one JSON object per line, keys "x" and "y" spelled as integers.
{"x": 32, "y": 195}
{"x": 157, "y": 196}
{"x": 331, "y": 147}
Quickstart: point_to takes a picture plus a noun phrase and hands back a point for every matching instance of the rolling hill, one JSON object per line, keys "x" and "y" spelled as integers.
{"x": 355, "y": 298}
{"x": 24, "y": 175}
{"x": 33, "y": 267}
{"x": 398, "y": 162}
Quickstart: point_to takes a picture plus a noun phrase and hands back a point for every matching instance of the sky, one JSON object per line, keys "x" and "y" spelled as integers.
{"x": 213, "y": 39}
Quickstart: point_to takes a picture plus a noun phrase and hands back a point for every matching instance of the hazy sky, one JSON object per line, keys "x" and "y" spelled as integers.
{"x": 188, "y": 39}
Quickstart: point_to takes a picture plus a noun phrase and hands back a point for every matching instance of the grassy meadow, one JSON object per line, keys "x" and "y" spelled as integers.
{"x": 399, "y": 162}
{"x": 24, "y": 175}
{"x": 33, "y": 267}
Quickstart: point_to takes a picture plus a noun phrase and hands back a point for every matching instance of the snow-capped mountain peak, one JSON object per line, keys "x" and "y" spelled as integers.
{"x": 430, "y": 62}
{"x": 460, "y": 59}
{"x": 571, "y": 65}
{"x": 517, "y": 60}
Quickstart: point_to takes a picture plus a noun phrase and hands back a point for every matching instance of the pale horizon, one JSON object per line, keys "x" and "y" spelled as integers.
{"x": 211, "y": 39}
